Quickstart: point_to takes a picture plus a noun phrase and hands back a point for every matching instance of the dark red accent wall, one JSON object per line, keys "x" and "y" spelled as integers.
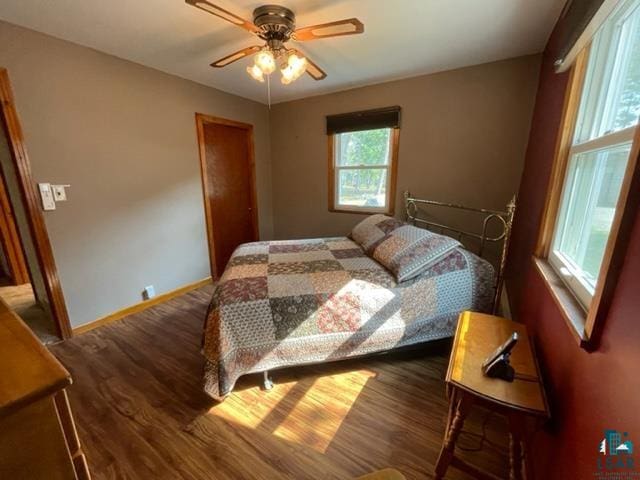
{"x": 588, "y": 392}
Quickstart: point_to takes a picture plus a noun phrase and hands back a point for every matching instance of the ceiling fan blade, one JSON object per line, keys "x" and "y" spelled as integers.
{"x": 224, "y": 14}
{"x": 313, "y": 69}
{"x": 224, "y": 61}
{"x": 350, "y": 26}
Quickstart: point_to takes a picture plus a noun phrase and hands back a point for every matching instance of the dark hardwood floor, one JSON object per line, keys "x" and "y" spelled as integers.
{"x": 142, "y": 415}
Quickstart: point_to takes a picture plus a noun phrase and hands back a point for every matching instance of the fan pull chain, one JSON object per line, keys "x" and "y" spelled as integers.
{"x": 269, "y": 91}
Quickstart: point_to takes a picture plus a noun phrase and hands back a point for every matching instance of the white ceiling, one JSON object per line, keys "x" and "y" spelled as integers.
{"x": 402, "y": 38}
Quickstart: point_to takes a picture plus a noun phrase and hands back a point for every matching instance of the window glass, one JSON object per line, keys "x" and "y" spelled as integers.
{"x": 593, "y": 187}
{"x": 363, "y": 188}
{"x": 369, "y": 147}
{"x": 611, "y": 97}
{"x": 363, "y": 169}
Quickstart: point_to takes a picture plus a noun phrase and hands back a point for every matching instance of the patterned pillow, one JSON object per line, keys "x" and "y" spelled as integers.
{"x": 409, "y": 250}
{"x": 373, "y": 229}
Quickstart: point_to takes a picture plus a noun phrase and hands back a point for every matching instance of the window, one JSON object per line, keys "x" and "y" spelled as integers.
{"x": 362, "y": 169}
{"x": 362, "y": 165}
{"x": 595, "y": 165}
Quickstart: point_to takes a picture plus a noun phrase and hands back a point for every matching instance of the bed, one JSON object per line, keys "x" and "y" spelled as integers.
{"x": 295, "y": 302}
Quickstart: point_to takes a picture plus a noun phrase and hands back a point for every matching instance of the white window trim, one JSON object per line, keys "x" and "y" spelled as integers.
{"x": 606, "y": 141}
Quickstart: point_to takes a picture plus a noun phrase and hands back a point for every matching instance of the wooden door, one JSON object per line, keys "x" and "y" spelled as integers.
{"x": 228, "y": 181}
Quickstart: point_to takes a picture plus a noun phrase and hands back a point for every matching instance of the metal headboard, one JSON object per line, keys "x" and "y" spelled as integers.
{"x": 503, "y": 219}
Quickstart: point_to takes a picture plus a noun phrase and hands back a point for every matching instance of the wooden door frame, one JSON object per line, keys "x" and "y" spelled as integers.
{"x": 11, "y": 240}
{"x": 202, "y": 120}
{"x": 30, "y": 199}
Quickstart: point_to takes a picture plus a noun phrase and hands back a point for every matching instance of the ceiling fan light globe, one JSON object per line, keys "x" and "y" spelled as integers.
{"x": 265, "y": 61}
{"x": 300, "y": 68}
{"x": 294, "y": 60}
{"x": 255, "y": 73}
{"x": 288, "y": 75}
{"x": 297, "y": 65}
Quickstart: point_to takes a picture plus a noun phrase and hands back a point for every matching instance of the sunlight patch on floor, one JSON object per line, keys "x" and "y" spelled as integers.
{"x": 250, "y": 407}
{"x": 321, "y": 411}
{"x": 308, "y": 412}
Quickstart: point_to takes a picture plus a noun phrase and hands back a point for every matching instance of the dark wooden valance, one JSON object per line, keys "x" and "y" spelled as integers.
{"x": 388, "y": 117}
{"x": 574, "y": 20}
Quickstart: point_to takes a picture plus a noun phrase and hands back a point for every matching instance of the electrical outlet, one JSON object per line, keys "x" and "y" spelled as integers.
{"x": 59, "y": 192}
{"x": 148, "y": 292}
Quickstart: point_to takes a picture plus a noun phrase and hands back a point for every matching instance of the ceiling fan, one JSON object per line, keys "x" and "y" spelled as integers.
{"x": 276, "y": 25}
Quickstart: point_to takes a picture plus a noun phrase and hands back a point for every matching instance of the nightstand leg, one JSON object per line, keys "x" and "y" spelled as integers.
{"x": 463, "y": 403}
{"x": 452, "y": 409}
{"x": 516, "y": 455}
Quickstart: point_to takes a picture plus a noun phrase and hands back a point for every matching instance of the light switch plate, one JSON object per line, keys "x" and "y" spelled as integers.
{"x": 46, "y": 195}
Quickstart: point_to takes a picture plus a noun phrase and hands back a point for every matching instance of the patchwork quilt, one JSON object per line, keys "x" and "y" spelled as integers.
{"x": 284, "y": 303}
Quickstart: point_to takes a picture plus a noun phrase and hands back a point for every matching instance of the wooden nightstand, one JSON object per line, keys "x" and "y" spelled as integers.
{"x": 477, "y": 336}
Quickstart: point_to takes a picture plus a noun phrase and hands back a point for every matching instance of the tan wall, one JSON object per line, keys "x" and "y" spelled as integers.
{"x": 124, "y": 137}
{"x": 463, "y": 138}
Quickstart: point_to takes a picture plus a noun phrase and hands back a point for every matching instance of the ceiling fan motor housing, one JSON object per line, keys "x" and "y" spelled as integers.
{"x": 276, "y": 22}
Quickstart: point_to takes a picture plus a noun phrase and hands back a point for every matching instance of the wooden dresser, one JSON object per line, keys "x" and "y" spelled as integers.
{"x": 38, "y": 439}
